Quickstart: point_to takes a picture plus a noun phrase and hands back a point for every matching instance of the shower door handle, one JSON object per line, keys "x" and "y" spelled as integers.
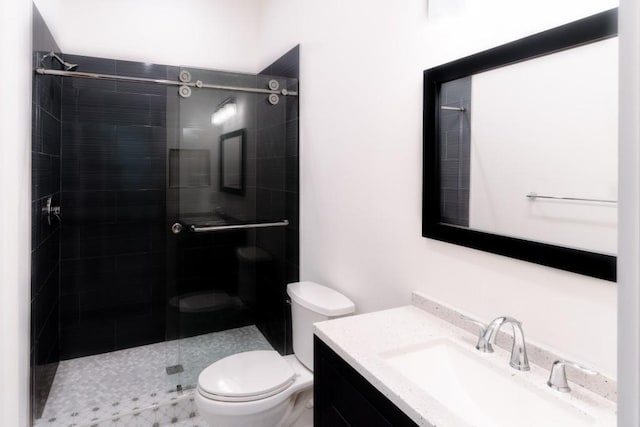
{"x": 196, "y": 229}
{"x": 176, "y": 228}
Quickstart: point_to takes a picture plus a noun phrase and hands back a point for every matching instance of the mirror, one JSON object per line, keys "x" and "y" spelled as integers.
{"x": 232, "y": 162}
{"x": 520, "y": 146}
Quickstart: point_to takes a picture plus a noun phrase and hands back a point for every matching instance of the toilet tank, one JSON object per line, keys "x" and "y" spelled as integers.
{"x": 311, "y": 303}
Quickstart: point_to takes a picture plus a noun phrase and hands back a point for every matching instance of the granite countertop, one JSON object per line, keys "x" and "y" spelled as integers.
{"x": 361, "y": 340}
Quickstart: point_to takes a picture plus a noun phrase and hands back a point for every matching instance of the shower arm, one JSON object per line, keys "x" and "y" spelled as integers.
{"x": 67, "y": 66}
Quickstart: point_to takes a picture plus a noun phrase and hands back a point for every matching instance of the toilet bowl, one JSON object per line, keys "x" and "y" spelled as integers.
{"x": 257, "y": 399}
{"x": 263, "y": 388}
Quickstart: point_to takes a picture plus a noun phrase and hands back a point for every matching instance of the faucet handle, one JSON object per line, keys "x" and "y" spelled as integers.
{"x": 558, "y": 376}
{"x": 483, "y": 330}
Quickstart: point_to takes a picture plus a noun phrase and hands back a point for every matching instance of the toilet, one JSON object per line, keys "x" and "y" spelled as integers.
{"x": 262, "y": 388}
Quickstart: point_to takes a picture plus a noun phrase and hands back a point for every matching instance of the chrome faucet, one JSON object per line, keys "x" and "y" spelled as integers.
{"x": 487, "y": 338}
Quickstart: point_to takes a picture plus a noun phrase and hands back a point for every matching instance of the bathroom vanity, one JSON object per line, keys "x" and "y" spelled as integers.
{"x": 343, "y": 397}
{"x": 406, "y": 366}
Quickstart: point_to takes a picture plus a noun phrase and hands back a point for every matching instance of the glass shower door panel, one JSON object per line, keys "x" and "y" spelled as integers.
{"x": 214, "y": 176}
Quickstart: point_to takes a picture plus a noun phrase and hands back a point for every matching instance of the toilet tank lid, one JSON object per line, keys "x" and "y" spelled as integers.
{"x": 320, "y": 299}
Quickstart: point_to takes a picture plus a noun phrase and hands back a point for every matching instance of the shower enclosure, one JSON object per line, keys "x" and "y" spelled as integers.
{"x": 165, "y": 219}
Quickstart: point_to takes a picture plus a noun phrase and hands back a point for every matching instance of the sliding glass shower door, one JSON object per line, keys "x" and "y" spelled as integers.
{"x": 227, "y": 217}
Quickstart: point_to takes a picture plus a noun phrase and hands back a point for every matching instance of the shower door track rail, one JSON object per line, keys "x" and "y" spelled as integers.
{"x": 198, "y": 84}
{"x": 207, "y": 229}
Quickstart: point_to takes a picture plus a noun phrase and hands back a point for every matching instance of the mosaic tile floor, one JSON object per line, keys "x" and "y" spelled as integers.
{"x": 130, "y": 388}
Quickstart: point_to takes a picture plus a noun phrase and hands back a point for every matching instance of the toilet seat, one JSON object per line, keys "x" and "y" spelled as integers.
{"x": 246, "y": 377}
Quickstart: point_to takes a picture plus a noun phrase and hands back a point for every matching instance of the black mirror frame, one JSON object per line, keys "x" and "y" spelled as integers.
{"x": 588, "y": 30}
{"x": 243, "y": 162}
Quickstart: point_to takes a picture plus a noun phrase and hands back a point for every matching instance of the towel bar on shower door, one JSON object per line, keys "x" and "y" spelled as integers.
{"x": 196, "y": 229}
{"x": 574, "y": 199}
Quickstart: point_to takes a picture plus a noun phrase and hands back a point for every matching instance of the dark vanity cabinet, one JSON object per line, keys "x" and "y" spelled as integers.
{"x": 342, "y": 397}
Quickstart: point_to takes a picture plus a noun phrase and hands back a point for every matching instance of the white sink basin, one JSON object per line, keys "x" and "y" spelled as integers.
{"x": 480, "y": 393}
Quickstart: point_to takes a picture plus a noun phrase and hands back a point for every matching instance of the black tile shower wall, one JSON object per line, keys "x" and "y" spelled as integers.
{"x": 278, "y": 194}
{"x": 45, "y": 235}
{"x": 455, "y": 152}
{"x": 106, "y": 151}
{"x": 288, "y": 65}
{"x": 113, "y": 151}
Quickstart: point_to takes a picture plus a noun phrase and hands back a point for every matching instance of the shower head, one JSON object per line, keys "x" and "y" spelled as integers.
{"x": 67, "y": 66}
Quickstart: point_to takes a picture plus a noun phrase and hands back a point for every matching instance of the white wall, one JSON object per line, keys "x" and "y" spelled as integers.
{"x": 361, "y": 154}
{"x": 15, "y": 193}
{"x": 219, "y": 34}
{"x": 543, "y": 126}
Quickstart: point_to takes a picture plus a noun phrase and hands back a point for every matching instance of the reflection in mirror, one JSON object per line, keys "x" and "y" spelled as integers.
{"x": 455, "y": 146}
{"x": 520, "y": 146}
{"x": 232, "y": 165}
{"x": 232, "y": 162}
{"x": 535, "y": 128}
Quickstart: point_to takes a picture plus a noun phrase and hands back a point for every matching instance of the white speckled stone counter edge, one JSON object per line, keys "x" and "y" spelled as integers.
{"x": 599, "y": 384}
